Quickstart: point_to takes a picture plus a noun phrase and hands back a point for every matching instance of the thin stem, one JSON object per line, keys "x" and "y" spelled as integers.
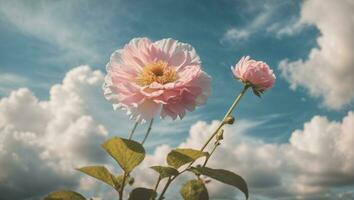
{"x": 222, "y": 123}
{"x": 121, "y": 189}
{"x": 166, "y": 186}
{"x": 148, "y": 131}
{"x": 170, "y": 181}
{"x": 211, "y": 153}
{"x": 232, "y": 107}
{"x": 122, "y": 186}
{"x": 133, "y": 130}
{"x": 157, "y": 185}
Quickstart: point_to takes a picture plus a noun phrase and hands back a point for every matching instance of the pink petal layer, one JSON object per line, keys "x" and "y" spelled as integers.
{"x": 173, "y": 99}
{"x": 257, "y": 73}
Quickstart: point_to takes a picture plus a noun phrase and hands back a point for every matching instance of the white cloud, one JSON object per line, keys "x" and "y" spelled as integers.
{"x": 289, "y": 28}
{"x": 316, "y": 159}
{"x": 45, "y": 140}
{"x": 234, "y": 34}
{"x": 328, "y": 72}
{"x": 54, "y": 136}
{"x": 8, "y": 77}
{"x": 54, "y": 23}
{"x": 263, "y": 18}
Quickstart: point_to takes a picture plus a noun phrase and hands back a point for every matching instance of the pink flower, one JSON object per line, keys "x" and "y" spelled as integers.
{"x": 147, "y": 78}
{"x": 255, "y": 73}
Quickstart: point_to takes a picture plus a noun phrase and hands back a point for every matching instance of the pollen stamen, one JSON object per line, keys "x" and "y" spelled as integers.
{"x": 158, "y": 72}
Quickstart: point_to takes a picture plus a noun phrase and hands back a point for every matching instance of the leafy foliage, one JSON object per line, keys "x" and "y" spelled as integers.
{"x": 101, "y": 173}
{"x": 127, "y": 153}
{"x": 64, "y": 195}
{"x": 179, "y": 157}
{"x": 119, "y": 180}
{"x": 165, "y": 171}
{"x": 223, "y": 176}
{"x": 142, "y": 194}
{"x": 194, "y": 190}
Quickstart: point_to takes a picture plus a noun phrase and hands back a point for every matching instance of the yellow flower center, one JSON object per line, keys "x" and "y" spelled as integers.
{"x": 158, "y": 72}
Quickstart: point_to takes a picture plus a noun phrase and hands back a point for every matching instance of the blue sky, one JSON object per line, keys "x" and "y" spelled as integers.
{"x": 43, "y": 58}
{"x": 41, "y": 41}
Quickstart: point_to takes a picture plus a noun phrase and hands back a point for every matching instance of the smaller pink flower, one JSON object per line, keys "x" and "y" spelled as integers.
{"x": 257, "y": 74}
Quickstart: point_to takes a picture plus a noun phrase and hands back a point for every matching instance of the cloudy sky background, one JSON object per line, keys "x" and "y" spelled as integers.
{"x": 295, "y": 143}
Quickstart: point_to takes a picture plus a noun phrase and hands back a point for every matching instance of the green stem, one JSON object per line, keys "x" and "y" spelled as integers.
{"x": 211, "y": 153}
{"x": 133, "y": 130}
{"x": 166, "y": 186}
{"x": 156, "y": 186}
{"x": 121, "y": 189}
{"x": 148, "y": 131}
{"x": 232, "y": 107}
{"x": 122, "y": 186}
{"x": 222, "y": 123}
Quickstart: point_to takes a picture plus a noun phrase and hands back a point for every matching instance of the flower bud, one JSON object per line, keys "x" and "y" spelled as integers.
{"x": 257, "y": 74}
{"x": 131, "y": 181}
{"x": 220, "y": 135}
{"x": 229, "y": 120}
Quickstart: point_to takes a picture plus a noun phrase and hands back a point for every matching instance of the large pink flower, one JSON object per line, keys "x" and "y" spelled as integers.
{"x": 255, "y": 73}
{"x": 146, "y": 78}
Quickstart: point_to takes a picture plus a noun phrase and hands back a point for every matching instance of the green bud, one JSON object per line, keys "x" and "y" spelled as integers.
{"x": 220, "y": 135}
{"x": 229, "y": 120}
{"x": 131, "y": 181}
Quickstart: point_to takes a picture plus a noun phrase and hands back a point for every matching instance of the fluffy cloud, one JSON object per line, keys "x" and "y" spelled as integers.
{"x": 235, "y": 35}
{"x": 265, "y": 17}
{"x": 328, "y": 72}
{"x": 316, "y": 159}
{"x": 60, "y": 29}
{"x": 41, "y": 142}
{"x": 44, "y": 140}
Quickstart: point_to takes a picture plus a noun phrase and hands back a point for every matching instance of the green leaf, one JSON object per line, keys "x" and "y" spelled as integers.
{"x": 64, "y": 195}
{"x": 194, "y": 190}
{"x": 119, "y": 180}
{"x": 127, "y": 153}
{"x": 224, "y": 176}
{"x": 101, "y": 173}
{"x": 178, "y": 157}
{"x": 165, "y": 171}
{"x": 142, "y": 194}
